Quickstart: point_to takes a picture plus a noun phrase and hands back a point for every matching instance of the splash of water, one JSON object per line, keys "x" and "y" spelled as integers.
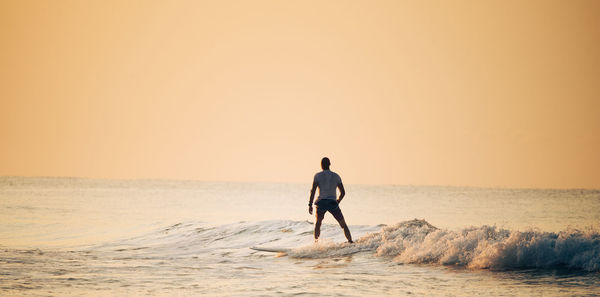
{"x": 414, "y": 241}
{"x": 484, "y": 247}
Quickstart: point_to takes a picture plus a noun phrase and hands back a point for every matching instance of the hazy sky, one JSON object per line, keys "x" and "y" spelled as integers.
{"x": 476, "y": 93}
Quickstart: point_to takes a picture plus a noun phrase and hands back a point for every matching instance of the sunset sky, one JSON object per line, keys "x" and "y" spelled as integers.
{"x": 465, "y": 93}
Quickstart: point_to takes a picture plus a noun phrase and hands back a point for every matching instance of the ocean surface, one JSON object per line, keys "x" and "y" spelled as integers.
{"x": 87, "y": 237}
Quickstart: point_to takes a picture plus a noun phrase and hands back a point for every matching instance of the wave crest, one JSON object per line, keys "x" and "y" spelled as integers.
{"x": 414, "y": 241}
{"x": 487, "y": 247}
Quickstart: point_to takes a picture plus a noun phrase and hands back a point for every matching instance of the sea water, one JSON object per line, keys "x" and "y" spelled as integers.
{"x": 86, "y": 237}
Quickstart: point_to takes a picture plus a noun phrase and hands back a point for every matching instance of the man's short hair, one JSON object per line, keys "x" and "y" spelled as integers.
{"x": 325, "y": 163}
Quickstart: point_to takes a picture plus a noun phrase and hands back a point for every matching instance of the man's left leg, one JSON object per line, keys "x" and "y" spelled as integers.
{"x": 337, "y": 214}
{"x": 319, "y": 215}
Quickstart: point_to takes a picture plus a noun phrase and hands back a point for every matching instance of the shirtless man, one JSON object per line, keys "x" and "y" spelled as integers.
{"x": 328, "y": 181}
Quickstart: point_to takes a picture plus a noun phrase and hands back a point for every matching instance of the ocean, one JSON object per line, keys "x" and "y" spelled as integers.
{"x": 92, "y": 237}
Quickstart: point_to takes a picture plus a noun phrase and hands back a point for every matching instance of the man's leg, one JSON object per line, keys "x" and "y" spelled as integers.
{"x": 337, "y": 214}
{"x": 320, "y": 216}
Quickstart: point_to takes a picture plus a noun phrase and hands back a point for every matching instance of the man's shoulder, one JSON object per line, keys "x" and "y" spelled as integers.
{"x": 326, "y": 172}
{"x": 336, "y": 175}
{"x": 318, "y": 176}
{"x": 329, "y": 172}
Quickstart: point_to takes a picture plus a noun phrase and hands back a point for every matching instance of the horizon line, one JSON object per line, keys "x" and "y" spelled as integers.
{"x": 284, "y": 182}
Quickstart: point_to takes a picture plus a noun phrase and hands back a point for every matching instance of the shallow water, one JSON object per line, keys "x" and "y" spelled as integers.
{"x": 66, "y": 237}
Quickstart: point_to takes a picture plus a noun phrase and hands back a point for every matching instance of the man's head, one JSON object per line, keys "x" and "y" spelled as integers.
{"x": 325, "y": 163}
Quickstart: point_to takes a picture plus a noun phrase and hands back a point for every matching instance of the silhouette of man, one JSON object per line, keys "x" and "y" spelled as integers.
{"x": 328, "y": 182}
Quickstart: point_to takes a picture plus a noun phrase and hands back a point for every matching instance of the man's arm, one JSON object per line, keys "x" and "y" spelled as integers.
{"x": 342, "y": 192}
{"x": 312, "y": 196}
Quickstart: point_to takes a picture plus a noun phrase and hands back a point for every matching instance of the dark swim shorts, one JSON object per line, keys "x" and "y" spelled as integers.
{"x": 327, "y": 205}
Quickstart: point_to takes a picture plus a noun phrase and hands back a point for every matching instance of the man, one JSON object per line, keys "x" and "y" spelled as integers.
{"x": 328, "y": 181}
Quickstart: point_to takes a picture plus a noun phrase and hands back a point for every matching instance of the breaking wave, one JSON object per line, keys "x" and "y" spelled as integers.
{"x": 483, "y": 247}
{"x": 414, "y": 241}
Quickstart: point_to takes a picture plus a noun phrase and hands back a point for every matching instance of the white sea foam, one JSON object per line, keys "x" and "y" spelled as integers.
{"x": 417, "y": 241}
{"x": 414, "y": 241}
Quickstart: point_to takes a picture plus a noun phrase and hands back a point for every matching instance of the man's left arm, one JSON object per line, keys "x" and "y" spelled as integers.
{"x": 312, "y": 197}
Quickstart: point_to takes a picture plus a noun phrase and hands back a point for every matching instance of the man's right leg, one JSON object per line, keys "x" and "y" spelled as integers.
{"x": 320, "y": 216}
{"x": 337, "y": 214}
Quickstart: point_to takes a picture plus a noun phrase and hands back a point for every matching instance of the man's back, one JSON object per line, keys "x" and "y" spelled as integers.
{"x": 327, "y": 181}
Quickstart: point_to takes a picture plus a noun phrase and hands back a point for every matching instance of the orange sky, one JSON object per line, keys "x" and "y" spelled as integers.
{"x": 476, "y": 93}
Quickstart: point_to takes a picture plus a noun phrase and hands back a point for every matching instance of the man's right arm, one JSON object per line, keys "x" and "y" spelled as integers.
{"x": 342, "y": 192}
